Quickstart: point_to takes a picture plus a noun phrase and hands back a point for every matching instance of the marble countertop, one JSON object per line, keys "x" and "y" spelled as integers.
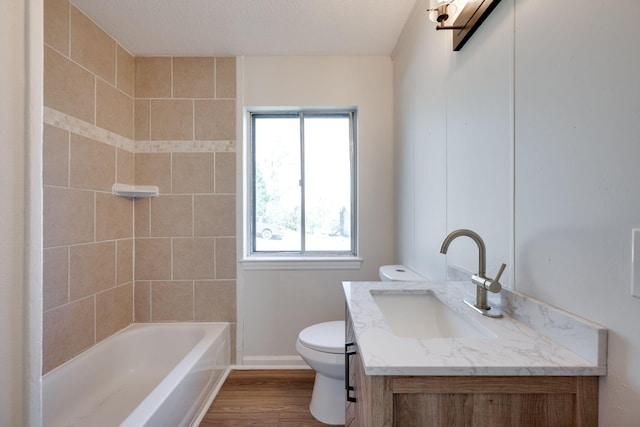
{"x": 517, "y": 349}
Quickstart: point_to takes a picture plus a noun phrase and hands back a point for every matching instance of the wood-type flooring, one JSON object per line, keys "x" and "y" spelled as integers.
{"x": 265, "y": 398}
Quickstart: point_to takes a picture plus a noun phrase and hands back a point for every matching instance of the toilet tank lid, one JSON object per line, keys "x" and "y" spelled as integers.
{"x": 399, "y": 273}
{"x": 327, "y": 337}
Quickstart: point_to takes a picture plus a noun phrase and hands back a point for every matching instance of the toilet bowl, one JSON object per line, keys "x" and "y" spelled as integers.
{"x": 321, "y": 346}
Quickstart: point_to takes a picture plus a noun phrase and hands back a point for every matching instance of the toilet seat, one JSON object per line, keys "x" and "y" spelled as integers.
{"x": 327, "y": 337}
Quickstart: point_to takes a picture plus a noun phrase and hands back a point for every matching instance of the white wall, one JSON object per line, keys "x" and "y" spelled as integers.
{"x": 454, "y": 114}
{"x": 20, "y": 212}
{"x": 559, "y": 94}
{"x": 273, "y": 306}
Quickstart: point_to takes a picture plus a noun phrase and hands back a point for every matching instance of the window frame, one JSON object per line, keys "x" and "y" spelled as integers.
{"x": 293, "y": 259}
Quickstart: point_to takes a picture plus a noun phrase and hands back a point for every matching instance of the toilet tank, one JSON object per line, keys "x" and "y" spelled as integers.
{"x": 398, "y": 273}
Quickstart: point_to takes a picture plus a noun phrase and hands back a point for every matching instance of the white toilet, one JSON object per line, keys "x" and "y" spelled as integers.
{"x": 322, "y": 348}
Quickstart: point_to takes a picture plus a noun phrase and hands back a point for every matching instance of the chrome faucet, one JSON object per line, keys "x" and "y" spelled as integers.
{"x": 482, "y": 282}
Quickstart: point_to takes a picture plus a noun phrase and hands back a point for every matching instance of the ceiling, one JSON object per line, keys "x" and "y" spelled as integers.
{"x": 251, "y": 27}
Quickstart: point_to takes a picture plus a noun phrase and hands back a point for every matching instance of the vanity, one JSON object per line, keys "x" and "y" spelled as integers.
{"x": 417, "y": 355}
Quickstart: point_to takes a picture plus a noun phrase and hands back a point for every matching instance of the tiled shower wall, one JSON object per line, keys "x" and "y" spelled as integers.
{"x": 185, "y": 142}
{"x": 90, "y": 255}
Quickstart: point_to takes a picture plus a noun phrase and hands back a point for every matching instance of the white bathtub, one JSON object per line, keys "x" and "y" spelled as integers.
{"x": 145, "y": 375}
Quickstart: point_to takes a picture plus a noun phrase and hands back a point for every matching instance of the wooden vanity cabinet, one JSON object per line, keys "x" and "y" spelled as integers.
{"x": 467, "y": 401}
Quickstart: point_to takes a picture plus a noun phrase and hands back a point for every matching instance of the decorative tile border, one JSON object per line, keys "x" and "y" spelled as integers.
{"x": 69, "y": 123}
{"x": 184, "y": 146}
{"x": 80, "y": 127}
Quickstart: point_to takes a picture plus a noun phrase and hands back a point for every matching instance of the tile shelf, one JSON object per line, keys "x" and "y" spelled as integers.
{"x": 135, "y": 191}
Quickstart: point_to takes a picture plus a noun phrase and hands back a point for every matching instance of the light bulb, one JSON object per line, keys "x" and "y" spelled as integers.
{"x": 441, "y": 10}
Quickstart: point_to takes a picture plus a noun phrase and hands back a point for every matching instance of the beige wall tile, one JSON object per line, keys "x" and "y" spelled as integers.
{"x": 215, "y": 215}
{"x": 192, "y": 173}
{"x": 153, "y": 169}
{"x": 142, "y": 119}
{"x": 55, "y": 277}
{"x": 152, "y": 77}
{"x": 215, "y": 120}
{"x": 92, "y": 268}
{"x": 193, "y": 77}
{"x": 172, "y": 301}
{"x": 171, "y": 119}
{"x": 55, "y": 156}
{"x": 142, "y": 303}
{"x": 124, "y": 170}
{"x": 153, "y": 259}
{"x": 114, "y": 217}
{"x": 68, "y": 216}
{"x": 193, "y": 258}
{"x": 91, "y": 47}
{"x": 67, "y": 331}
{"x": 225, "y": 77}
{"x": 124, "y": 261}
{"x": 124, "y": 71}
{"x": 225, "y": 180}
{"x": 93, "y": 164}
{"x": 68, "y": 87}
{"x": 56, "y": 24}
{"x": 114, "y": 110}
{"x": 171, "y": 216}
{"x": 215, "y": 301}
{"x": 225, "y": 258}
{"x": 114, "y": 310}
{"x": 141, "y": 208}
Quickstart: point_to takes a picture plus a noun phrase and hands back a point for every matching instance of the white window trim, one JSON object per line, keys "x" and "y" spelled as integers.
{"x": 274, "y": 261}
{"x": 270, "y": 263}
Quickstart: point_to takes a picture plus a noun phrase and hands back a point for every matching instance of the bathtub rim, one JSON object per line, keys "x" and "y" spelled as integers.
{"x": 191, "y": 359}
{"x": 148, "y": 406}
{"x": 113, "y": 336}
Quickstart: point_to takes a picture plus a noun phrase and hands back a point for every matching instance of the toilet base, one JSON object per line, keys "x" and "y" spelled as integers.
{"x": 327, "y": 401}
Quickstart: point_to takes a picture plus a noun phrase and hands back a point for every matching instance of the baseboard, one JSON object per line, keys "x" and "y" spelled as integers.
{"x": 272, "y": 362}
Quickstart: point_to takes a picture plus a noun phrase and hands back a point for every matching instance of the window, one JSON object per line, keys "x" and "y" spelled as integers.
{"x": 302, "y": 183}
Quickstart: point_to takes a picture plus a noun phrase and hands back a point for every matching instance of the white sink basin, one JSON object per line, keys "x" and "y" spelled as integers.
{"x": 423, "y": 315}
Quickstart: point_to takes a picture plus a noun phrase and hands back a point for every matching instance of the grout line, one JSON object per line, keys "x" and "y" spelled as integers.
{"x": 95, "y": 319}
{"x": 215, "y": 258}
{"x": 115, "y": 80}
{"x": 69, "y": 159}
{"x": 215, "y": 182}
{"x": 149, "y": 104}
{"x": 149, "y": 222}
{"x": 69, "y": 31}
{"x": 95, "y": 100}
{"x": 95, "y": 221}
{"x": 68, "y": 274}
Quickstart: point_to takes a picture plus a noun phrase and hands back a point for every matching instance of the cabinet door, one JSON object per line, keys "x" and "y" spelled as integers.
{"x": 358, "y": 413}
{"x": 360, "y": 382}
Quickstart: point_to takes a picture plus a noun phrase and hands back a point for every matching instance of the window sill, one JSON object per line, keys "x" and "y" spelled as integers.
{"x": 300, "y": 263}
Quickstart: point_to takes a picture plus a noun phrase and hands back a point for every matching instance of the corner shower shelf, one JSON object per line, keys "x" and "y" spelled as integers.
{"x": 126, "y": 190}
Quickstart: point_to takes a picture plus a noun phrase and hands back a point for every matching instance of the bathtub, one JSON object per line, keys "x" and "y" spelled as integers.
{"x": 145, "y": 375}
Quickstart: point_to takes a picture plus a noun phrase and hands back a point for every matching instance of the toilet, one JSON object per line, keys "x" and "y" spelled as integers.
{"x": 321, "y": 346}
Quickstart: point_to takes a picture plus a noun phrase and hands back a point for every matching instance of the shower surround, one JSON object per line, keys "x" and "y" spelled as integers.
{"x": 112, "y": 117}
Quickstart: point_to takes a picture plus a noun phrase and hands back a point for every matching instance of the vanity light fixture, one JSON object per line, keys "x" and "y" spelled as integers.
{"x": 440, "y": 12}
{"x": 468, "y": 20}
